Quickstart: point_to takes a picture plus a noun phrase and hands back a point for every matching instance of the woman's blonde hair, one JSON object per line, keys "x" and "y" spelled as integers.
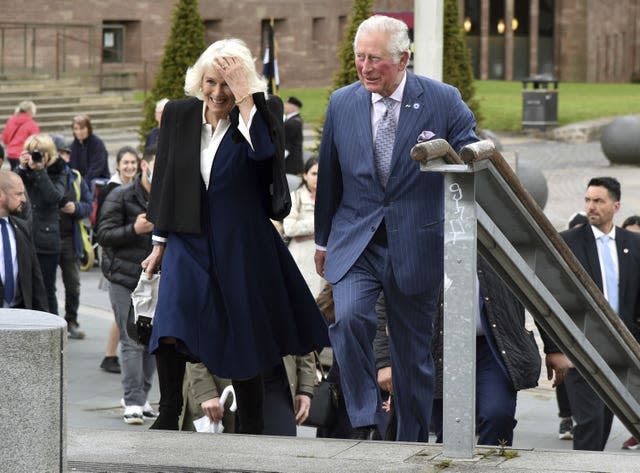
{"x": 44, "y": 144}
{"x": 225, "y": 47}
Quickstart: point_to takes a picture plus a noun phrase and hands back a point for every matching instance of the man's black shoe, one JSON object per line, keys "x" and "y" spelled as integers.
{"x": 110, "y": 364}
{"x": 368, "y": 432}
{"x": 74, "y": 332}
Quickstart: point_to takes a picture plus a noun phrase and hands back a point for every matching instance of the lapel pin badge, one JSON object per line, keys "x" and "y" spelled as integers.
{"x": 416, "y": 106}
{"x": 626, "y": 250}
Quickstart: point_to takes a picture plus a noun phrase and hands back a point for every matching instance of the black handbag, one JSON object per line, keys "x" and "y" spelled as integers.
{"x": 143, "y": 300}
{"x": 324, "y": 404}
{"x": 139, "y": 330}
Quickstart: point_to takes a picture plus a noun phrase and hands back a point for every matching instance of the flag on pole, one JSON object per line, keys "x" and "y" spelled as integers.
{"x": 270, "y": 69}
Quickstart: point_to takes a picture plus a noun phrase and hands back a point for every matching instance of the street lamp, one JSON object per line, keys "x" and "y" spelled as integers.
{"x": 466, "y": 24}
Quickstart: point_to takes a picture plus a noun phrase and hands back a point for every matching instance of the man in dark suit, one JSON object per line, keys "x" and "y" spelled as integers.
{"x": 379, "y": 222}
{"x": 593, "y": 245}
{"x": 27, "y": 287}
{"x": 294, "y": 162}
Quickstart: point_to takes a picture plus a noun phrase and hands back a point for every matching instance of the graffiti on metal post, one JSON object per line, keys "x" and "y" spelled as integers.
{"x": 457, "y": 224}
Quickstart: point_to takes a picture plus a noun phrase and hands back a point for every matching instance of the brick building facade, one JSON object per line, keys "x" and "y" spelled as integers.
{"x": 122, "y": 41}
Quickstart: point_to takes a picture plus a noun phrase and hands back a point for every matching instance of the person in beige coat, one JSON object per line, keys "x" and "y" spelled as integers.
{"x": 287, "y": 399}
{"x": 298, "y": 227}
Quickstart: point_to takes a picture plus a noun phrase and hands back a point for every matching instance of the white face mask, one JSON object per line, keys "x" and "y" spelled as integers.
{"x": 149, "y": 171}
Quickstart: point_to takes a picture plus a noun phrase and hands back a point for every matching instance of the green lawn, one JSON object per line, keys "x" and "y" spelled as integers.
{"x": 501, "y": 102}
{"x": 314, "y": 102}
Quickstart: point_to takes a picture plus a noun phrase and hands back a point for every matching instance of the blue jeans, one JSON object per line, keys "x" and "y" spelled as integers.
{"x": 137, "y": 364}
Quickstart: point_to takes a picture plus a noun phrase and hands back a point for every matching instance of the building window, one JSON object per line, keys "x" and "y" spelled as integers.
{"x": 318, "y": 32}
{"x": 113, "y": 39}
{"x": 342, "y": 24}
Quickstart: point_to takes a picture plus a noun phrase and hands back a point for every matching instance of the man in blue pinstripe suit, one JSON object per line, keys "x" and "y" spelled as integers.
{"x": 381, "y": 229}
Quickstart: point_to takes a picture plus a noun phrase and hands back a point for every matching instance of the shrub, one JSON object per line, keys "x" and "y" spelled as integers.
{"x": 184, "y": 45}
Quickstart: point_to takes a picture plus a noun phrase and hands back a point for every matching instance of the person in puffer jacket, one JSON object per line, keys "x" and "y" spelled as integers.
{"x": 125, "y": 234}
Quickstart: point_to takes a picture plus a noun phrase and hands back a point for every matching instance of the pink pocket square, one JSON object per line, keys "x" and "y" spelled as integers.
{"x": 425, "y": 136}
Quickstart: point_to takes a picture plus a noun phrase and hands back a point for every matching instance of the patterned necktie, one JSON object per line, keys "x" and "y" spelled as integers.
{"x": 385, "y": 138}
{"x": 610, "y": 273}
{"x": 8, "y": 264}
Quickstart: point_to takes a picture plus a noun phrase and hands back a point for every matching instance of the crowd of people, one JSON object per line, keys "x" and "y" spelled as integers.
{"x": 248, "y": 299}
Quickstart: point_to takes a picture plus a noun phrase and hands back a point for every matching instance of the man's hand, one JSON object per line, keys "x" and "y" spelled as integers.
{"x": 319, "y": 259}
{"x": 559, "y": 364}
{"x": 213, "y": 409}
{"x": 303, "y": 405}
{"x": 385, "y": 379}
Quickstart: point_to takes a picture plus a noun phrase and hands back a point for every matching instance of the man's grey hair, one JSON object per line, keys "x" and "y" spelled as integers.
{"x": 397, "y": 30}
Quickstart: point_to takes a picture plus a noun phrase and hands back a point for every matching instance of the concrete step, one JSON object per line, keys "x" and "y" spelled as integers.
{"x": 96, "y": 113}
{"x": 130, "y": 124}
{"x": 28, "y": 92}
{"x": 44, "y": 102}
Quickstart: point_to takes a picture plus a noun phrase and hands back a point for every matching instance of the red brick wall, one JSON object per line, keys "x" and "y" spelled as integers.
{"x": 594, "y": 41}
{"x": 302, "y": 62}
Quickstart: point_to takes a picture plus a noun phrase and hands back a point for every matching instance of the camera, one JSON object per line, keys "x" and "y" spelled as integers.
{"x": 36, "y": 156}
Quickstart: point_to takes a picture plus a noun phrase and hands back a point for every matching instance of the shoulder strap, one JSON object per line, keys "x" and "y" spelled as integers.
{"x": 76, "y": 183}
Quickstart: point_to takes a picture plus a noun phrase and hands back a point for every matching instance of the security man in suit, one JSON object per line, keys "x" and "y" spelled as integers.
{"x": 22, "y": 285}
{"x": 379, "y": 222}
{"x": 293, "y": 137}
{"x": 611, "y": 256}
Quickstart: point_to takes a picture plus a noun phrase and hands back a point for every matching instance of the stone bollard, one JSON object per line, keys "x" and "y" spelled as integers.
{"x": 534, "y": 181}
{"x": 620, "y": 140}
{"x": 33, "y": 392}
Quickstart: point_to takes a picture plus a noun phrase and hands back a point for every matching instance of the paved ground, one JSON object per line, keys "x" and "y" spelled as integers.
{"x": 567, "y": 169}
{"x": 93, "y": 395}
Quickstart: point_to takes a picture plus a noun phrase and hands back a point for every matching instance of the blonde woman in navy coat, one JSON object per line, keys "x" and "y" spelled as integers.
{"x": 230, "y": 294}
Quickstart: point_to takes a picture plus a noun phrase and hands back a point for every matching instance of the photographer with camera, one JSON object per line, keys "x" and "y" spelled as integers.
{"x": 44, "y": 179}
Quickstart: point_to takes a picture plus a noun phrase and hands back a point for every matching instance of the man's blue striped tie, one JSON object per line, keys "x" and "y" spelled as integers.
{"x": 385, "y": 139}
{"x": 8, "y": 264}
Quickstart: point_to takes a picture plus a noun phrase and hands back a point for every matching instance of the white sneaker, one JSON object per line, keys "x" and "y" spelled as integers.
{"x": 148, "y": 412}
{"x": 133, "y": 415}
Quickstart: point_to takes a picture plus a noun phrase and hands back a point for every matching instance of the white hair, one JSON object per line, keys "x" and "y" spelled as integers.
{"x": 225, "y": 47}
{"x": 26, "y": 106}
{"x": 397, "y": 31}
{"x": 161, "y": 103}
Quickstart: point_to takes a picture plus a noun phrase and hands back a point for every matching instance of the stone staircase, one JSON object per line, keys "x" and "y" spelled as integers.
{"x": 115, "y": 116}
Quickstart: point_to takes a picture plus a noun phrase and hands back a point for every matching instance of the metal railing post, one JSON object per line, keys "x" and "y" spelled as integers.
{"x": 460, "y": 310}
{"x": 461, "y": 300}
